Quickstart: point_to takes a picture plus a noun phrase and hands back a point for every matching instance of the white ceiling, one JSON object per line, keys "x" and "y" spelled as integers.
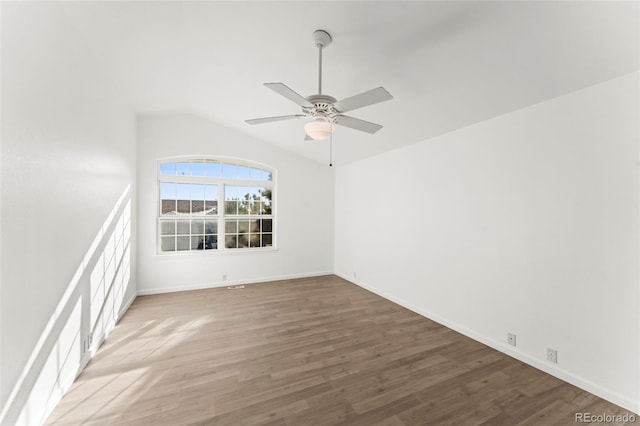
{"x": 447, "y": 64}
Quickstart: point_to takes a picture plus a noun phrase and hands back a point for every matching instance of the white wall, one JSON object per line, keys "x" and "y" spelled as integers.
{"x": 303, "y": 205}
{"x": 68, "y": 160}
{"x": 527, "y": 223}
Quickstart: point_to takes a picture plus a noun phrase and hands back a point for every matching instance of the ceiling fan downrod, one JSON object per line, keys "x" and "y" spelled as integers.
{"x": 322, "y": 39}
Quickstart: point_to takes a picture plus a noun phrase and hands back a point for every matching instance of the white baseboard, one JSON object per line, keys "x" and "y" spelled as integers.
{"x": 99, "y": 340}
{"x": 125, "y": 307}
{"x": 202, "y": 286}
{"x": 562, "y": 374}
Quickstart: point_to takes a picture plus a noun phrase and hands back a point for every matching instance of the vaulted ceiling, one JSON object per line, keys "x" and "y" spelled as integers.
{"x": 447, "y": 64}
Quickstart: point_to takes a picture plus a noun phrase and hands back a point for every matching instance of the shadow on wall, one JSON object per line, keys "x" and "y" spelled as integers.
{"x": 88, "y": 310}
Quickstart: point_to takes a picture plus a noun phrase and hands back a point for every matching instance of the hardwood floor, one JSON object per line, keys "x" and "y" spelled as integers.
{"x": 311, "y": 351}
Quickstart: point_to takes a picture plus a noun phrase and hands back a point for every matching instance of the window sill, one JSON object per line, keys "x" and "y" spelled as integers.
{"x": 232, "y": 252}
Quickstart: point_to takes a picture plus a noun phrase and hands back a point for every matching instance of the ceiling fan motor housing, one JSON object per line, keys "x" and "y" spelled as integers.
{"x": 322, "y": 107}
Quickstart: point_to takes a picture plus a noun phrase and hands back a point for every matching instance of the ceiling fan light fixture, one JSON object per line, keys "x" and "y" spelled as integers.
{"x": 318, "y": 129}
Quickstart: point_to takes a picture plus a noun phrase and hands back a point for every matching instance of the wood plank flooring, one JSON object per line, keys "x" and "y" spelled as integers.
{"x": 316, "y": 351}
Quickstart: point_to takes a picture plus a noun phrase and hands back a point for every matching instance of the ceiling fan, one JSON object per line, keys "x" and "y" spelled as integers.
{"x": 325, "y": 110}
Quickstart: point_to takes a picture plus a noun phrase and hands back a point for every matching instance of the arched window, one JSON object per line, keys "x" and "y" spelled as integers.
{"x": 214, "y": 204}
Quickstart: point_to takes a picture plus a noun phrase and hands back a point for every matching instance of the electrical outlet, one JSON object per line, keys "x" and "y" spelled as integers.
{"x": 511, "y": 339}
{"x": 224, "y": 277}
{"x": 552, "y": 355}
{"x": 355, "y": 275}
{"x": 87, "y": 343}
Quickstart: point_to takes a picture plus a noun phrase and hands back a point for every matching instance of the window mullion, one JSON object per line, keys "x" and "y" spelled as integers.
{"x": 221, "y": 217}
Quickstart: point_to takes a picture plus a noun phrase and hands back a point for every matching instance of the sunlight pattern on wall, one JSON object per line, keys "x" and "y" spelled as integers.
{"x": 109, "y": 277}
{"x": 87, "y": 311}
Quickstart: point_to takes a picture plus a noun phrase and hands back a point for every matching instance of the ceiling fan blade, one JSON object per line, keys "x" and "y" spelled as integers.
{"x": 270, "y": 119}
{"x": 288, "y": 93}
{"x": 369, "y": 97}
{"x": 356, "y": 123}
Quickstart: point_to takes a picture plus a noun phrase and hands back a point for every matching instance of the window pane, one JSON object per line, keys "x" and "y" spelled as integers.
{"x": 168, "y": 191}
{"x": 169, "y": 207}
{"x": 197, "y": 192}
{"x": 256, "y": 207}
{"x": 243, "y": 241}
{"x": 197, "y": 207}
{"x": 265, "y": 194}
{"x": 266, "y": 175}
{"x": 254, "y": 240}
{"x": 197, "y": 169}
{"x": 197, "y": 199}
{"x": 211, "y": 227}
{"x": 266, "y": 208}
{"x": 254, "y": 192}
{"x": 230, "y": 192}
{"x": 211, "y": 192}
{"x": 211, "y": 197}
{"x": 231, "y": 207}
{"x": 256, "y": 174}
{"x": 183, "y": 243}
{"x": 245, "y": 195}
{"x": 167, "y": 227}
{"x": 197, "y": 227}
{"x": 244, "y": 207}
{"x": 183, "y": 169}
{"x": 243, "y": 226}
{"x": 266, "y": 240}
{"x": 168, "y": 244}
{"x": 183, "y": 191}
{"x": 212, "y": 169}
{"x": 241, "y": 192}
{"x": 267, "y": 225}
{"x": 168, "y": 198}
{"x": 255, "y": 226}
{"x": 197, "y": 242}
{"x": 184, "y": 198}
{"x": 168, "y": 169}
{"x": 182, "y": 227}
{"x": 229, "y": 171}
{"x": 230, "y": 226}
{"x": 184, "y": 206}
{"x": 211, "y": 207}
{"x": 211, "y": 242}
{"x": 244, "y": 172}
{"x": 231, "y": 241}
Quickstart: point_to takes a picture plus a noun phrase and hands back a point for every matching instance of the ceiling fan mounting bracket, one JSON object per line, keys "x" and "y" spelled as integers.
{"x": 322, "y": 38}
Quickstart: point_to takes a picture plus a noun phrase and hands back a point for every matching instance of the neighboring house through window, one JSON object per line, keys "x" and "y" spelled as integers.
{"x": 214, "y": 204}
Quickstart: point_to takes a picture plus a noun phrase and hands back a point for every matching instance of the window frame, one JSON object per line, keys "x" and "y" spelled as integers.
{"x": 220, "y": 216}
